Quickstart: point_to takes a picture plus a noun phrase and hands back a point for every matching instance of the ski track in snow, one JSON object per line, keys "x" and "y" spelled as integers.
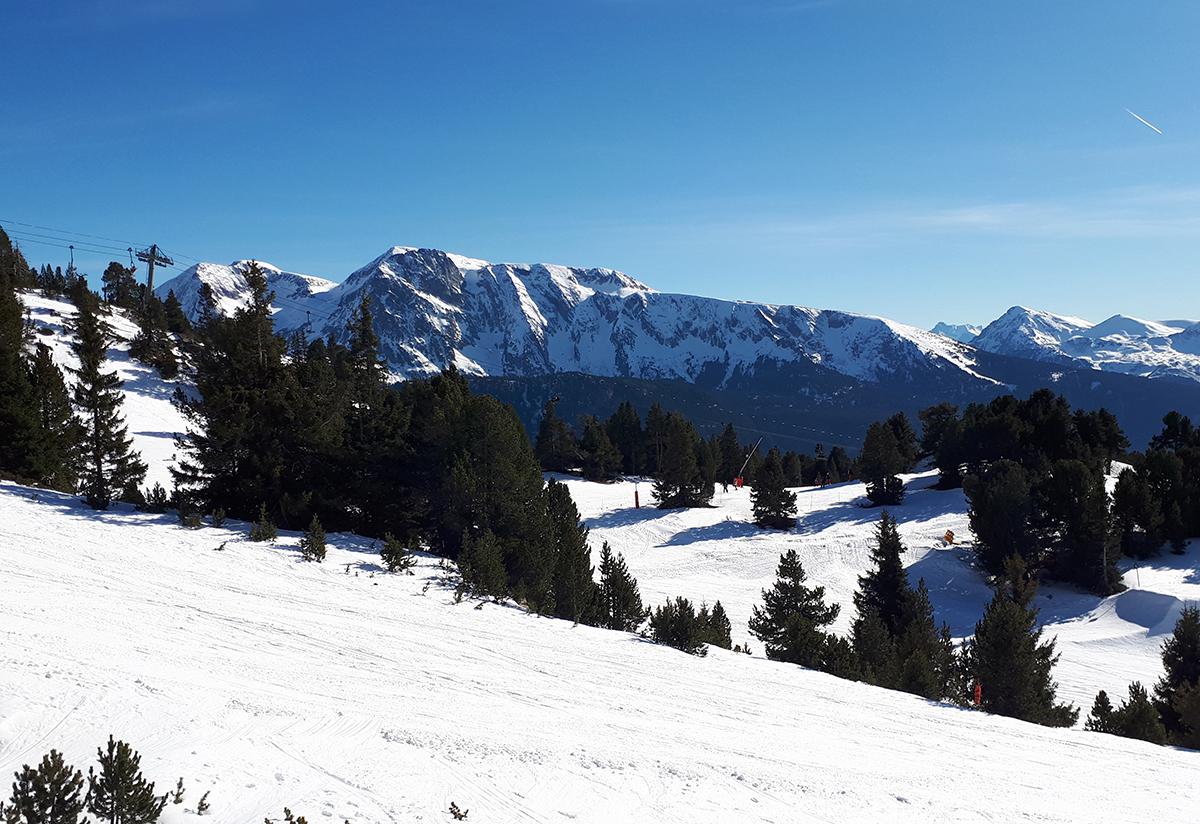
{"x": 376, "y": 698}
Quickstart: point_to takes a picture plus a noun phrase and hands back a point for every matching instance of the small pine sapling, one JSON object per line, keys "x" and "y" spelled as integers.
{"x": 394, "y": 556}
{"x": 459, "y": 815}
{"x": 50, "y": 793}
{"x": 312, "y": 545}
{"x": 263, "y": 529}
{"x": 202, "y": 804}
{"x": 177, "y": 793}
{"x": 217, "y": 518}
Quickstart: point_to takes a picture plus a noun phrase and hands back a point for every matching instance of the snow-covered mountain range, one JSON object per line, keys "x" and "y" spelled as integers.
{"x": 433, "y": 309}
{"x": 1119, "y": 344}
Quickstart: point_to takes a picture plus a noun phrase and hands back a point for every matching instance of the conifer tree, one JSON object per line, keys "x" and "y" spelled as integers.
{"x": 625, "y": 431}
{"x": 621, "y": 606}
{"x": 884, "y": 589}
{"x": 601, "y": 460}
{"x": 108, "y": 464}
{"x": 717, "y": 627}
{"x": 555, "y": 445}
{"x": 120, "y": 286}
{"x": 264, "y": 528}
{"x": 49, "y": 794}
{"x": 18, "y": 419}
{"x": 395, "y": 556}
{"x": 1009, "y": 659}
{"x": 875, "y": 654}
{"x": 177, "y": 320}
{"x": 679, "y": 481}
{"x": 120, "y": 794}
{"x": 926, "y": 655}
{"x": 774, "y": 505}
{"x": 1100, "y": 719}
{"x": 312, "y": 543}
{"x": 676, "y": 624}
{"x": 879, "y": 462}
{"x": 729, "y": 455}
{"x": 656, "y": 437}
{"x": 792, "y": 619}
{"x": 906, "y": 440}
{"x": 1137, "y": 718}
{"x": 1001, "y": 504}
{"x": 152, "y": 344}
{"x": 575, "y": 593}
{"x": 54, "y": 461}
{"x": 1181, "y": 665}
{"x": 482, "y": 565}
{"x": 936, "y": 421}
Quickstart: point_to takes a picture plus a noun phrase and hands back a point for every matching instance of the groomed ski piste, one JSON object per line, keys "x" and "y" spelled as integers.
{"x": 343, "y": 692}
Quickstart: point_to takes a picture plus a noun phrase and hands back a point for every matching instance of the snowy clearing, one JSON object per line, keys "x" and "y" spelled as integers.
{"x": 375, "y": 698}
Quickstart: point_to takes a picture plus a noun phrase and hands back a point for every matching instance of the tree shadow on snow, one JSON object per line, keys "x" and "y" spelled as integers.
{"x": 721, "y": 531}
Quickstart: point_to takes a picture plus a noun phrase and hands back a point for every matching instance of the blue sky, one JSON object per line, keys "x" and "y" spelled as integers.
{"x": 920, "y": 160}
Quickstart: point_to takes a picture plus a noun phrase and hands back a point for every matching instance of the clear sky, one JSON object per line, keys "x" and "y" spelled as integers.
{"x": 915, "y": 159}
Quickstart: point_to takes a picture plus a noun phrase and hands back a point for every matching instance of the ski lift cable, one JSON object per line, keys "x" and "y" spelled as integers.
{"x": 69, "y": 232}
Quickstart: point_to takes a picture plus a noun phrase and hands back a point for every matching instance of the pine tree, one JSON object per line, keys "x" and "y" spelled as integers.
{"x": 1100, "y": 719}
{"x": 575, "y": 593}
{"x": 717, "y": 627}
{"x": 656, "y": 437}
{"x": 1009, "y": 659}
{"x": 19, "y": 434}
{"x": 120, "y": 794}
{"x": 312, "y": 544}
{"x": 120, "y": 286}
{"x": 1137, "y": 718}
{"x": 792, "y": 619}
{"x": 1001, "y": 504}
{"x": 879, "y": 462}
{"x": 555, "y": 445}
{"x": 679, "y": 482}
{"x": 394, "y": 556}
{"x": 482, "y": 565}
{"x": 264, "y": 528}
{"x": 936, "y": 421}
{"x": 625, "y": 432}
{"x": 884, "y": 588}
{"x": 906, "y": 441}
{"x": 177, "y": 320}
{"x": 875, "y": 653}
{"x": 1181, "y": 665}
{"x": 601, "y": 460}
{"x": 152, "y": 344}
{"x": 621, "y": 606}
{"x": 926, "y": 654}
{"x": 774, "y": 505}
{"x": 108, "y": 464}
{"x": 730, "y": 455}
{"x": 50, "y": 794}
{"x": 54, "y": 461}
{"x": 676, "y": 624}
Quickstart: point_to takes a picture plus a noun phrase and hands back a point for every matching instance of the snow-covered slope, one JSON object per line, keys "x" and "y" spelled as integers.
{"x": 434, "y": 309}
{"x": 152, "y": 420}
{"x": 1119, "y": 344}
{"x": 961, "y": 332}
{"x": 710, "y": 554}
{"x": 344, "y": 693}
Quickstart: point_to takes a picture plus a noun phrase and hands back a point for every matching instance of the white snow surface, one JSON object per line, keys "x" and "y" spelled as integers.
{"x": 345, "y": 693}
{"x": 961, "y": 332}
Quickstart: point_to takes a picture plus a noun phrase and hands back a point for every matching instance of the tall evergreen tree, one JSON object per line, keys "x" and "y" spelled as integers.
{"x": 679, "y": 482}
{"x": 1001, "y": 505}
{"x": 729, "y": 455}
{"x": 879, "y": 462}
{"x": 601, "y": 460}
{"x": 18, "y": 419}
{"x": 936, "y": 421}
{"x": 120, "y": 794}
{"x": 774, "y": 505}
{"x": 906, "y": 441}
{"x": 1181, "y": 665}
{"x": 884, "y": 588}
{"x": 621, "y": 606}
{"x": 108, "y": 465}
{"x": 482, "y": 564}
{"x": 792, "y": 619}
{"x": 120, "y": 286}
{"x": 1009, "y": 659}
{"x": 312, "y": 543}
{"x": 1100, "y": 719}
{"x": 555, "y": 446}
{"x": 717, "y": 627}
{"x": 625, "y": 432}
{"x": 575, "y": 592}
{"x": 54, "y": 460}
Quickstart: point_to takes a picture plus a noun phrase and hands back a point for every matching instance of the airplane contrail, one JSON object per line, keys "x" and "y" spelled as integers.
{"x": 1147, "y": 122}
